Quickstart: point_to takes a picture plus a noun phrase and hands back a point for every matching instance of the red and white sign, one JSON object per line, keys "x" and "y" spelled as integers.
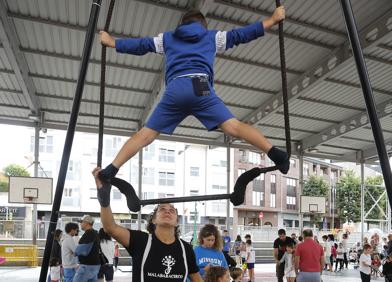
{"x": 261, "y": 215}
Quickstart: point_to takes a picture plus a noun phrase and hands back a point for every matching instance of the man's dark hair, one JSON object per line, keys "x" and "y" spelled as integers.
{"x": 71, "y": 226}
{"x": 281, "y": 232}
{"x": 308, "y": 233}
{"x": 193, "y": 15}
{"x": 325, "y": 237}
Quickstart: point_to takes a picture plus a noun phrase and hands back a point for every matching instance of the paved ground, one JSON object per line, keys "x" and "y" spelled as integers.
{"x": 264, "y": 272}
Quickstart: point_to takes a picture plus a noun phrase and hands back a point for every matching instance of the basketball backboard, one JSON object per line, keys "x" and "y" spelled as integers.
{"x": 30, "y": 190}
{"x": 311, "y": 204}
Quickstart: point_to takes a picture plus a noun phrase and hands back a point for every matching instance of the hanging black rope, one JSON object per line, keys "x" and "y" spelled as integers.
{"x": 237, "y": 197}
{"x": 102, "y": 87}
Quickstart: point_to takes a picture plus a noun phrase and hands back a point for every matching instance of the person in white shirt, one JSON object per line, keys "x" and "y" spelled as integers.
{"x": 339, "y": 257}
{"x": 68, "y": 247}
{"x": 327, "y": 252}
{"x": 107, "y": 247}
{"x": 55, "y": 269}
{"x": 365, "y": 263}
{"x": 345, "y": 248}
{"x": 288, "y": 260}
{"x": 250, "y": 260}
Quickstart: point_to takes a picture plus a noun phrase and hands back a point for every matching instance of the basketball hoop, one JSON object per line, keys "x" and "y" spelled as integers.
{"x": 29, "y": 200}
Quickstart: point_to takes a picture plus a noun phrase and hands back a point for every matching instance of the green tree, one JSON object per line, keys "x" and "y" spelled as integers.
{"x": 315, "y": 186}
{"x": 348, "y": 197}
{"x": 373, "y": 187}
{"x": 11, "y": 170}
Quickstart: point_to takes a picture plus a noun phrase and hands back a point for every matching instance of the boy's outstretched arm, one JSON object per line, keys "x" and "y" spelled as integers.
{"x": 134, "y": 46}
{"x": 278, "y": 15}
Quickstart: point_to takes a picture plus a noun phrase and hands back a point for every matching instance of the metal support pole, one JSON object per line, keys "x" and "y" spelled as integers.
{"x": 362, "y": 200}
{"x": 139, "y": 190}
{"x": 300, "y": 186}
{"x": 368, "y": 95}
{"x": 36, "y": 162}
{"x": 88, "y": 43}
{"x": 228, "y": 164}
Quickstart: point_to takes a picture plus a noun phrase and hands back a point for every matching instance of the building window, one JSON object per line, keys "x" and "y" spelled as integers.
{"x": 166, "y": 178}
{"x": 306, "y": 169}
{"x": 291, "y": 182}
{"x": 166, "y": 155}
{"x": 273, "y": 178}
{"x": 293, "y": 163}
{"x": 194, "y": 171}
{"x": 218, "y": 206}
{"x": 45, "y": 144}
{"x": 148, "y": 175}
{"x": 193, "y": 192}
{"x": 258, "y": 199}
{"x": 219, "y": 188}
{"x": 112, "y": 145}
{"x": 68, "y": 192}
{"x": 254, "y": 158}
{"x": 272, "y": 200}
{"x": 243, "y": 156}
{"x": 116, "y": 195}
{"x": 93, "y": 193}
{"x": 291, "y": 202}
{"x": 149, "y": 152}
{"x": 149, "y": 195}
{"x": 240, "y": 171}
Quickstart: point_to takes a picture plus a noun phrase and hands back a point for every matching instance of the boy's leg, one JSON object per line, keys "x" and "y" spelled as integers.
{"x": 238, "y": 129}
{"x": 139, "y": 140}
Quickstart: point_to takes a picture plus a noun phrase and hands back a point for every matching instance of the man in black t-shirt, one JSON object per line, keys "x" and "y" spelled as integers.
{"x": 157, "y": 255}
{"x": 88, "y": 252}
{"x": 279, "y": 249}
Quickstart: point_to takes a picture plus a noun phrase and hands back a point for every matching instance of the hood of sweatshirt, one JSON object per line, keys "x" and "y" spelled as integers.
{"x": 192, "y": 32}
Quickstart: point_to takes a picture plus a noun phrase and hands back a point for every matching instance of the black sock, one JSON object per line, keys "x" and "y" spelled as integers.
{"x": 238, "y": 196}
{"x": 108, "y": 173}
{"x": 280, "y": 158}
{"x": 133, "y": 201}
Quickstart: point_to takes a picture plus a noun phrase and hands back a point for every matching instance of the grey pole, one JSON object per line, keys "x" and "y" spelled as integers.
{"x": 300, "y": 186}
{"x": 228, "y": 164}
{"x": 139, "y": 191}
{"x": 362, "y": 199}
{"x": 36, "y": 162}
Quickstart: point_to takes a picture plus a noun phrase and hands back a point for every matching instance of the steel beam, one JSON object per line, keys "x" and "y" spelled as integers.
{"x": 357, "y": 121}
{"x": 305, "y": 40}
{"x": 10, "y": 43}
{"x": 287, "y": 19}
{"x": 335, "y": 61}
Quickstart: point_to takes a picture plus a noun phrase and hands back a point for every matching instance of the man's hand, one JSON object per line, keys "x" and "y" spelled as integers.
{"x": 95, "y": 173}
{"x": 278, "y": 15}
{"x": 106, "y": 39}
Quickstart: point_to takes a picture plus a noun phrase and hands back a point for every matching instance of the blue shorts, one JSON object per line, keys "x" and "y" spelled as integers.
{"x": 250, "y": 265}
{"x": 180, "y": 101}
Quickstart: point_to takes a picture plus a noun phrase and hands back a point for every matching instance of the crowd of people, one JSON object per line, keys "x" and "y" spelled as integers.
{"x": 90, "y": 257}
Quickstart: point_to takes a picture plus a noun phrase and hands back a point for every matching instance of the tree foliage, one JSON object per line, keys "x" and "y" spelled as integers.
{"x": 315, "y": 186}
{"x": 348, "y": 197}
{"x": 11, "y": 170}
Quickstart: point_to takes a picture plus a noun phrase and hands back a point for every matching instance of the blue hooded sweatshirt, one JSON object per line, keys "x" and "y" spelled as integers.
{"x": 190, "y": 48}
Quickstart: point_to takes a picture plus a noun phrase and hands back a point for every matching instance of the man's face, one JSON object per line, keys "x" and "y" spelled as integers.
{"x": 84, "y": 225}
{"x": 293, "y": 236}
{"x": 73, "y": 232}
{"x": 282, "y": 237}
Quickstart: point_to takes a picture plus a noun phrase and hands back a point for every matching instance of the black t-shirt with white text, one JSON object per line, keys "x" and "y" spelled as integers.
{"x": 164, "y": 262}
{"x": 93, "y": 257}
{"x": 281, "y": 245}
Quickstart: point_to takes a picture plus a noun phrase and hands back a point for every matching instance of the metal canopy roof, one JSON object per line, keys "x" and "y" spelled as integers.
{"x": 42, "y": 42}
